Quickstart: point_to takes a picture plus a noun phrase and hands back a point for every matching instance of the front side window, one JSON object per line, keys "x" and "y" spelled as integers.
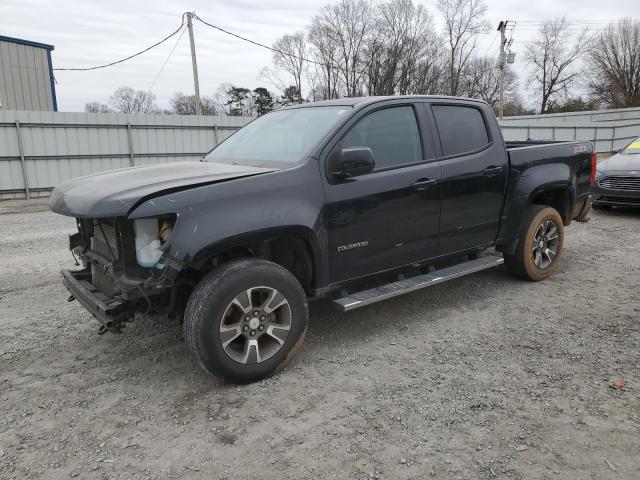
{"x": 392, "y": 134}
{"x": 278, "y": 138}
{"x": 461, "y": 129}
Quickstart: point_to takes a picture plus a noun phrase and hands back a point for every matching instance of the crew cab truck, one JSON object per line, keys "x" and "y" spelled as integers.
{"x": 356, "y": 199}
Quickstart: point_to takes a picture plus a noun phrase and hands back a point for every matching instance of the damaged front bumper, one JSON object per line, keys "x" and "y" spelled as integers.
{"x": 112, "y": 312}
{"x": 112, "y": 286}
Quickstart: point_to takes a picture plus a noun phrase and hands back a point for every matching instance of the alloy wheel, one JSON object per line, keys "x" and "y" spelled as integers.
{"x": 545, "y": 244}
{"x": 255, "y": 325}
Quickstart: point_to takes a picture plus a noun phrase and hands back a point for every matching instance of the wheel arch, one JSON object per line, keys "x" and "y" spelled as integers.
{"x": 534, "y": 187}
{"x": 556, "y": 195}
{"x": 292, "y": 247}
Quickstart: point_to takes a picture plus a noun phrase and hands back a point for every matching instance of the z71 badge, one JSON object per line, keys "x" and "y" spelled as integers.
{"x": 580, "y": 148}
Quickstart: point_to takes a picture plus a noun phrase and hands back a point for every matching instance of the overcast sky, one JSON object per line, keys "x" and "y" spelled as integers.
{"x": 90, "y": 32}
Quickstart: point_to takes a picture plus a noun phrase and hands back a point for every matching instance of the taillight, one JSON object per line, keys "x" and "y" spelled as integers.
{"x": 594, "y": 164}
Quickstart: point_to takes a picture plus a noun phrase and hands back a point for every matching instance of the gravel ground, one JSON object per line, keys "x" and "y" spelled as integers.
{"x": 483, "y": 377}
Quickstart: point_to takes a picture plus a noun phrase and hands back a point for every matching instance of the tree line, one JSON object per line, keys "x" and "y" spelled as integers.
{"x": 393, "y": 47}
{"x": 228, "y": 100}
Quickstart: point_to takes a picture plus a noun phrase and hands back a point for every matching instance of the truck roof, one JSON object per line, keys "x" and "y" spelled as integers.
{"x": 362, "y": 101}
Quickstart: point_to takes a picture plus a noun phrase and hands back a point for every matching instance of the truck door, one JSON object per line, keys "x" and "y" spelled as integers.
{"x": 474, "y": 176}
{"x": 390, "y": 216}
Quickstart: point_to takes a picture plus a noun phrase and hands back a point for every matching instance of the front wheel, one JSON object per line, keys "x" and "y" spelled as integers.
{"x": 539, "y": 244}
{"x": 246, "y": 319}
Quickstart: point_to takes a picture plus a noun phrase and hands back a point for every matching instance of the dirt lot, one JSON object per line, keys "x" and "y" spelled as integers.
{"x": 483, "y": 377}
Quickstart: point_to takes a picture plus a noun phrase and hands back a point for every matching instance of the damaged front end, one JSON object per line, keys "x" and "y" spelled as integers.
{"x": 124, "y": 269}
{"x": 126, "y": 221}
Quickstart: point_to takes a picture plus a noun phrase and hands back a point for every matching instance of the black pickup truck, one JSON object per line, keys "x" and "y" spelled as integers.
{"x": 356, "y": 199}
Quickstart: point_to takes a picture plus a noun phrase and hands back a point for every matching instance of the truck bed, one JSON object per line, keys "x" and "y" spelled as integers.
{"x": 575, "y": 156}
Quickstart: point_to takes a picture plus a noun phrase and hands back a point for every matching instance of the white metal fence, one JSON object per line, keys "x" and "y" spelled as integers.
{"x": 604, "y": 138}
{"x": 38, "y": 150}
{"x": 609, "y": 130}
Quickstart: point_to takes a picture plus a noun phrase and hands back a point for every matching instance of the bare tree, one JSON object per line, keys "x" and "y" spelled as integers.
{"x": 403, "y": 36}
{"x": 347, "y": 24}
{"x": 234, "y": 101}
{"x": 128, "y": 100}
{"x": 290, "y": 56}
{"x": 516, "y": 106}
{"x": 271, "y": 75}
{"x": 482, "y": 80}
{"x": 323, "y": 75}
{"x": 428, "y": 79}
{"x": 222, "y": 98}
{"x": 615, "y": 65}
{"x": 182, "y": 104}
{"x": 464, "y": 23}
{"x": 554, "y": 59}
{"x": 97, "y": 107}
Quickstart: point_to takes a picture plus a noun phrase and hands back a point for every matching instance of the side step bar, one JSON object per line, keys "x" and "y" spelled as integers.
{"x": 373, "y": 295}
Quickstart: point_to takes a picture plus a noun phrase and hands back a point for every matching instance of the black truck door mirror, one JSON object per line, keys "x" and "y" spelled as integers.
{"x": 353, "y": 161}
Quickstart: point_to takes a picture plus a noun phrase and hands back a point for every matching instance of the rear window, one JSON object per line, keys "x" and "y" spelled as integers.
{"x": 461, "y": 129}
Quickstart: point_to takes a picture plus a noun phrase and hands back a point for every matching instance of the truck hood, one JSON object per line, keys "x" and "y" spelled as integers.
{"x": 116, "y": 192}
{"x": 620, "y": 163}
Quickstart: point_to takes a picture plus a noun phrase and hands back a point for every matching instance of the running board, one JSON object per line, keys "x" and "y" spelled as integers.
{"x": 373, "y": 295}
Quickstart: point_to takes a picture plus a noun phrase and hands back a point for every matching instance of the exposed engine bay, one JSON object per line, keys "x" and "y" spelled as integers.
{"x": 123, "y": 267}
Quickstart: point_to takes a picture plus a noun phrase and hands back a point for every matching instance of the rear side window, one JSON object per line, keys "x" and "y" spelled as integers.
{"x": 392, "y": 134}
{"x": 461, "y": 129}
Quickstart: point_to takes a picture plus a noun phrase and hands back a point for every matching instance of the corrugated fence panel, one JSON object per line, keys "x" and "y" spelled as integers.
{"x": 9, "y": 141}
{"x": 141, "y": 160}
{"x": 53, "y": 147}
{"x": 609, "y": 130}
{"x": 618, "y": 116}
{"x": 11, "y": 175}
{"x": 42, "y": 174}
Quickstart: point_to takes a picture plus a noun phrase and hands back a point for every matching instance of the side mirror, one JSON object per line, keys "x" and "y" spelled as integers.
{"x": 353, "y": 161}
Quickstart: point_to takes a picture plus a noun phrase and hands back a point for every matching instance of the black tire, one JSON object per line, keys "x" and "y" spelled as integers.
{"x": 583, "y": 214}
{"x": 211, "y": 308}
{"x": 523, "y": 264}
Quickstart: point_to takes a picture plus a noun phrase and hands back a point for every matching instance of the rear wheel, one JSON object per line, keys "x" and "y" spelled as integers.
{"x": 246, "y": 319}
{"x": 539, "y": 244}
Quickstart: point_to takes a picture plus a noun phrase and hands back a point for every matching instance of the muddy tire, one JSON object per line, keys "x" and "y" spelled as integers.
{"x": 540, "y": 244}
{"x": 582, "y": 216}
{"x": 246, "y": 320}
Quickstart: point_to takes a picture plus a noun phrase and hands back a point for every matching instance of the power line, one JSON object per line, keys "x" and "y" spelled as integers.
{"x": 258, "y": 43}
{"x": 491, "y": 44}
{"x": 166, "y": 61}
{"x": 602, "y": 22}
{"x": 566, "y": 27}
{"x": 291, "y": 55}
{"x": 126, "y": 58}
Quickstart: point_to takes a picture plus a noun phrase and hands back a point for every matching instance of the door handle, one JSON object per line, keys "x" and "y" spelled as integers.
{"x": 492, "y": 171}
{"x": 423, "y": 184}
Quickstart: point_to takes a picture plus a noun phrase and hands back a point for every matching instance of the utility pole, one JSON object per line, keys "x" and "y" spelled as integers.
{"x": 502, "y": 60}
{"x": 194, "y": 64}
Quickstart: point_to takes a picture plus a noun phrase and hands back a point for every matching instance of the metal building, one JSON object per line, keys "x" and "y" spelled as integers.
{"x": 26, "y": 75}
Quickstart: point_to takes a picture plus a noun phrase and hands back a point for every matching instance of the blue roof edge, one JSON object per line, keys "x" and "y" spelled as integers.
{"x": 29, "y": 43}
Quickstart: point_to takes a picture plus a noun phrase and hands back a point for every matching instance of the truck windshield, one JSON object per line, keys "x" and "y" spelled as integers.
{"x": 279, "y": 138}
